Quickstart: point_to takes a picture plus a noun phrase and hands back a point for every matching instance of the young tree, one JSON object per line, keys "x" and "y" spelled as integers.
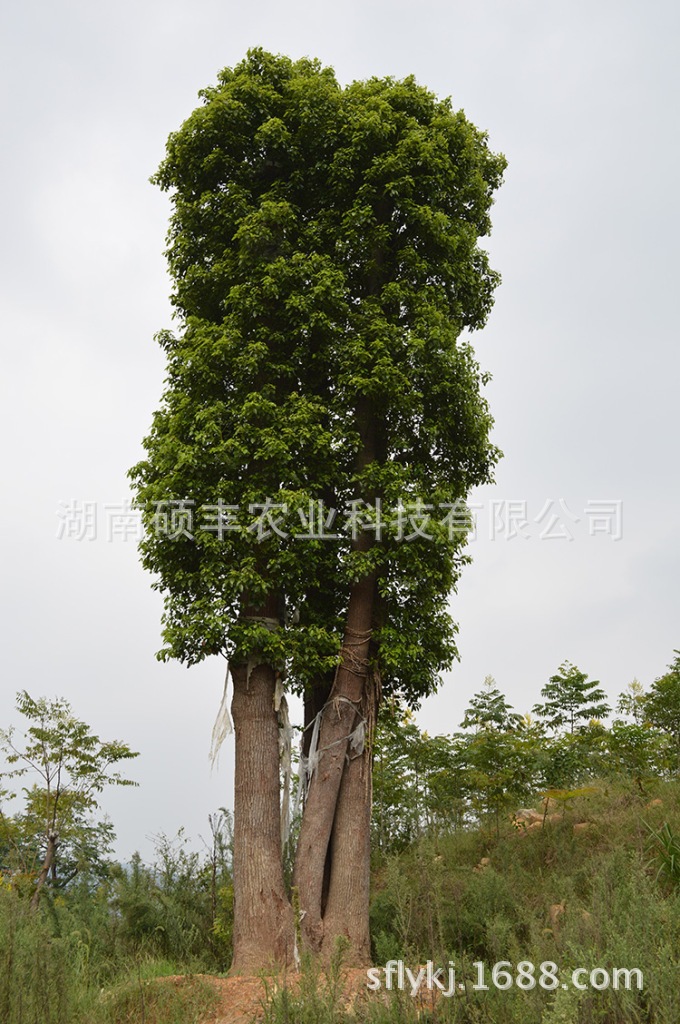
{"x": 635, "y": 748}
{"x": 490, "y": 711}
{"x": 571, "y": 700}
{"x": 324, "y": 248}
{"x": 395, "y": 811}
{"x": 636, "y": 751}
{"x": 418, "y": 781}
{"x": 70, "y": 765}
{"x": 662, "y": 706}
{"x": 499, "y": 755}
{"x": 632, "y": 702}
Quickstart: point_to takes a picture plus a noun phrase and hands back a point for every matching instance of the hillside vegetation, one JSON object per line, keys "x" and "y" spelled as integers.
{"x": 548, "y": 839}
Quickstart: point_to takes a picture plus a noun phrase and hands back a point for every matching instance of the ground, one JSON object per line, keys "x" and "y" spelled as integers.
{"x": 242, "y": 998}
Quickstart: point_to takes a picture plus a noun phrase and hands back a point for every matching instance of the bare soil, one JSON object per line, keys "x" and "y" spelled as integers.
{"x": 241, "y": 998}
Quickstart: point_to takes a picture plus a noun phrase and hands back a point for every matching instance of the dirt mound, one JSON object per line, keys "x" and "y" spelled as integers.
{"x": 241, "y": 999}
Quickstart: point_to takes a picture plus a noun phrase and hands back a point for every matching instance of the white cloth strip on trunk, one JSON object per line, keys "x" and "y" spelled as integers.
{"x": 308, "y": 765}
{"x": 286, "y": 762}
{"x": 223, "y": 724}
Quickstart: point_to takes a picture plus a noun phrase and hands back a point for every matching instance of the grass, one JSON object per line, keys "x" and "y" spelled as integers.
{"x": 586, "y": 898}
{"x": 154, "y": 1000}
{"x": 605, "y": 896}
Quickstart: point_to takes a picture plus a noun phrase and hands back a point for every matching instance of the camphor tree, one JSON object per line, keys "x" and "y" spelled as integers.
{"x": 68, "y": 765}
{"x": 324, "y": 252}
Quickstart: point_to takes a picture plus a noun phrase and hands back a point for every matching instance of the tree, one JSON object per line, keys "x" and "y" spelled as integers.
{"x": 489, "y": 711}
{"x": 632, "y": 702}
{"x": 418, "y": 781}
{"x": 570, "y": 759}
{"x": 70, "y": 765}
{"x": 499, "y": 755}
{"x": 324, "y": 249}
{"x": 571, "y": 700}
{"x": 636, "y": 751}
{"x": 662, "y": 705}
{"x": 395, "y": 811}
{"x": 637, "y": 748}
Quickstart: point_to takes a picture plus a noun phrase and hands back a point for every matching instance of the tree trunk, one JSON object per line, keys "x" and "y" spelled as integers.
{"x": 315, "y": 697}
{"x": 340, "y": 717}
{"x": 317, "y": 857}
{"x": 347, "y": 904}
{"x": 263, "y": 917}
{"x": 52, "y": 841}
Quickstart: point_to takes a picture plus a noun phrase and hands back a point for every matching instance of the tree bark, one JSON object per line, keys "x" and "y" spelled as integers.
{"x": 316, "y": 862}
{"x": 263, "y": 917}
{"x": 340, "y": 717}
{"x": 50, "y": 853}
{"x": 346, "y": 912}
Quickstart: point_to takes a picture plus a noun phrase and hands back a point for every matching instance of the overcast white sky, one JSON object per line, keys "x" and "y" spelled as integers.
{"x": 582, "y": 344}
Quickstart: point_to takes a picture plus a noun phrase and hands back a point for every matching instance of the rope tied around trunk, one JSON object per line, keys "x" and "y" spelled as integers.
{"x": 349, "y": 660}
{"x": 308, "y": 765}
{"x": 354, "y": 638}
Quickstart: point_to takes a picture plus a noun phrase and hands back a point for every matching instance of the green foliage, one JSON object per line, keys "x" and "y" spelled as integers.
{"x": 105, "y": 949}
{"x": 427, "y": 786}
{"x": 637, "y": 751}
{"x": 325, "y": 258}
{"x": 395, "y": 820}
{"x": 62, "y": 751}
{"x": 667, "y": 854}
{"x": 571, "y": 700}
{"x": 499, "y": 755}
{"x": 662, "y": 706}
{"x": 567, "y": 759}
{"x": 417, "y": 783}
{"x": 500, "y": 770}
{"x": 632, "y": 702}
{"x": 100, "y": 948}
{"x": 488, "y": 710}
{"x": 317, "y": 995}
{"x": 70, "y": 765}
{"x": 97, "y": 922}
{"x": 445, "y": 903}
{"x": 180, "y": 907}
{"x": 156, "y": 1000}
{"x": 71, "y": 961}
{"x": 430, "y": 785}
{"x": 50, "y": 976}
{"x": 38, "y": 972}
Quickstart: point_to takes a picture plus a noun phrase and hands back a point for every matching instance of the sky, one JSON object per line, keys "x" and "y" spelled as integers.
{"x": 576, "y": 552}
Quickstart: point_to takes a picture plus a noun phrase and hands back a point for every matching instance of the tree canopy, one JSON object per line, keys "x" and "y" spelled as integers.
{"x": 324, "y": 252}
{"x": 571, "y": 700}
{"x": 662, "y": 705}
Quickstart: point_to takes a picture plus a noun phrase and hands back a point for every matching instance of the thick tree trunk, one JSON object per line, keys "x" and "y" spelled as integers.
{"x": 263, "y": 917}
{"x": 340, "y": 717}
{"x": 317, "y": 857}
{"x": 346, "y": 912}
